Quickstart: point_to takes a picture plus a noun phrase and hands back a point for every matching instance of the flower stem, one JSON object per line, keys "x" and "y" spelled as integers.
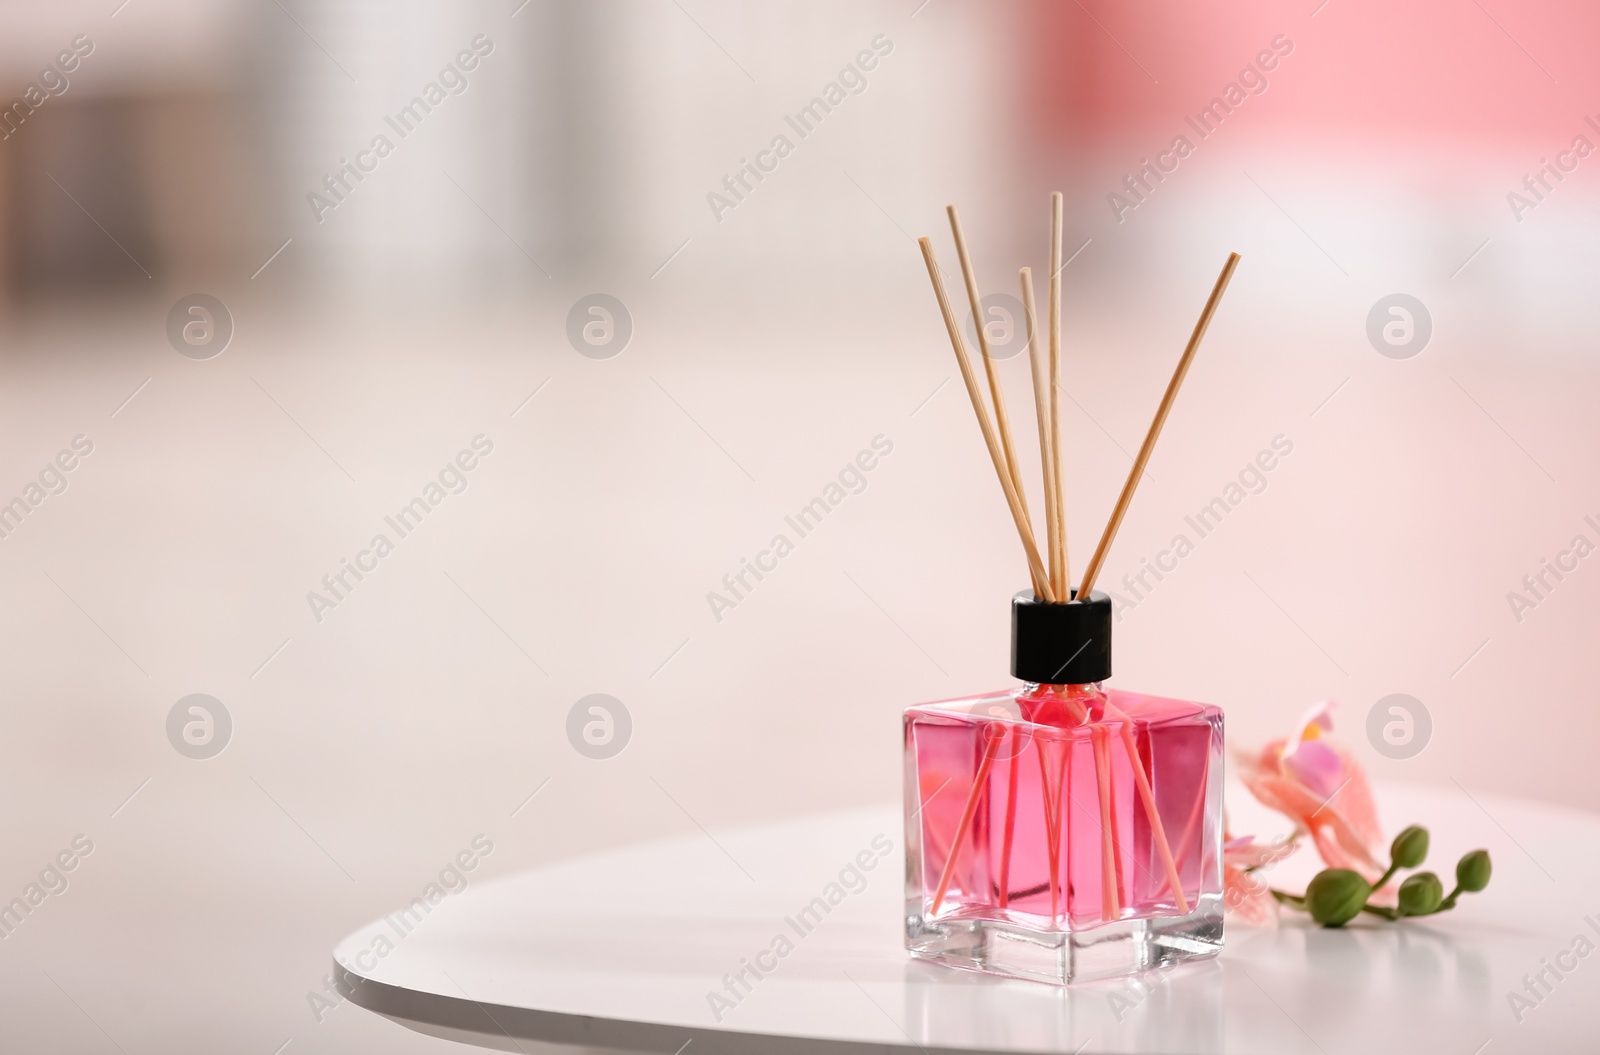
{"x": 1379, "y": 910}
{"x": 1286, "y": 898}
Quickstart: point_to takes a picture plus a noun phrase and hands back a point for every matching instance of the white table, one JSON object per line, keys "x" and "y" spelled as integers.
{"x": 620, "y": 951}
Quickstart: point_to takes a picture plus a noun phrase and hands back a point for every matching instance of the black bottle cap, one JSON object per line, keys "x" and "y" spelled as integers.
{"x": 1061, "y": 644}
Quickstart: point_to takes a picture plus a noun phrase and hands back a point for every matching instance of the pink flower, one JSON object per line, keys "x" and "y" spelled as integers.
{"x": 1244, "y": 893}
{"x": 1320, "y": 786}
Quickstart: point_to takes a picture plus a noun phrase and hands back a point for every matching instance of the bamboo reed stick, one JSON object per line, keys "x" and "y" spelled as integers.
{"x": 1052, "y": 825}
{"x": 995, "y": 734}
{"x": 1139, "y": 463}
{"x": 1036, "y": 568}
{"x": 1041, "y": 407}
{"x": 1011, "y": 819}
{"x": 1110, "y": 907}
{"x": 1001, "y": 418}
{"x": 1147, "y": 796}
{"x": 1124, "y": 891}
{"x": 1063, "y": 796}
{"x": 1060, "y": 558}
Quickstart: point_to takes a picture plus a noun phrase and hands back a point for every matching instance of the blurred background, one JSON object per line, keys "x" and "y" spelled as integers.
{"x": 375, "y": 307}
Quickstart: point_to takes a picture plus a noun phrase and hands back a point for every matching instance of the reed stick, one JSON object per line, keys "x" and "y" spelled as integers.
{"x": 1001, "y": 418}
{"x": 1062, "y": 795}
{"x": 1041, "y": 407}
{"x": 1052, "y": 823}
{"x": 1124, "y": 889}
{"x": 1011, "y": 820}
{"x": 1036, "y": 568}
{"x": 995, "y": 734}
{"x": 1110, "y": 907}
{"x": 1191, "y": 828}
{"x": 1060, "y": 558}
{"x": 1148, "y": 798}
{"x": 1137, "y": 472}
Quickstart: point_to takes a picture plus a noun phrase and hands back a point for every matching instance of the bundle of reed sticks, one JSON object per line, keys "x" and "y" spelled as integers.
{"x": 1051, "y": 573}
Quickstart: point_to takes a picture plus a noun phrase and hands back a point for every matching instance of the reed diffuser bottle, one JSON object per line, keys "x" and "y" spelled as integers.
{"x": 1060, "y": 830}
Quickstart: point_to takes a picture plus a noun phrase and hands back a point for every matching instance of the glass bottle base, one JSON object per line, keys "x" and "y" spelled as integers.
{"x": 1061, "y": 957}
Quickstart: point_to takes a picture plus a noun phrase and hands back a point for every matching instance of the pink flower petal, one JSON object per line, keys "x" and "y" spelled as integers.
{"x": 1340, "y": 842}
{"x": 1318, "y": 714}
{"x": 1247, "y": 899}
{"x": 1356, "y": 805}
{"x": 1246, "y": 853}
{"x": 1316, "y": 765}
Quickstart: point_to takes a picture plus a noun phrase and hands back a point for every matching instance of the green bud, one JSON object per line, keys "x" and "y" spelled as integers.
{"x": 1410, "y": 847}
{"x": 1335, "y": 896}
{"x": 1472, "y": 871}
{"x": 1421, "y": 894}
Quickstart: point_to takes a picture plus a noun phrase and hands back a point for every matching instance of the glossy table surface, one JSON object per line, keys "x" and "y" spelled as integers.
{"x": 624, "y": 950}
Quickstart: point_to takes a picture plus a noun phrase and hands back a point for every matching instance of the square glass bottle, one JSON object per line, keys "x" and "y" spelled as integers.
{"x": 1061, "y": 831}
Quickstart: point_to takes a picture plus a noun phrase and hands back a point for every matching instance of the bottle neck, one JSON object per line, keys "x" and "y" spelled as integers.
{"x": 1088, "y": 688}
{"x": 1065, "y": 706}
